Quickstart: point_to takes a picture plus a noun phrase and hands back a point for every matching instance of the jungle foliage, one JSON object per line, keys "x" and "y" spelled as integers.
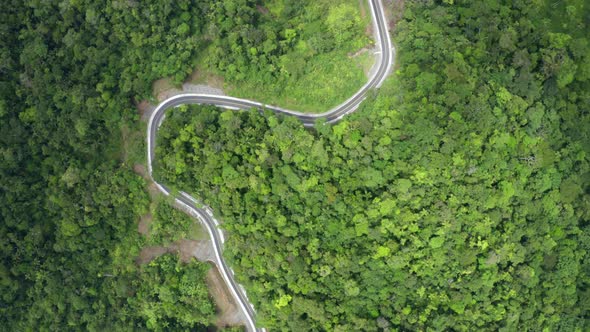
{"x": 170, "y": 224}
{"x": 69, "y": 202}
{"x": 457, "y": 198}
{"x": 289, "y": 53}
{"x": 171, "y": 296}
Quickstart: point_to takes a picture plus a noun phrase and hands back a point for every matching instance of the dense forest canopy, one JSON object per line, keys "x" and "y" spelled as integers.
{"x": 69, "y": 202}
{"x": 458, "y": 197}
{"x": 70, "y": 72}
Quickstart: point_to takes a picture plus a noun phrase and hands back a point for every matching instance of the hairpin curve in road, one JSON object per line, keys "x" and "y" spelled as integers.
{"x": 189, "y": 205}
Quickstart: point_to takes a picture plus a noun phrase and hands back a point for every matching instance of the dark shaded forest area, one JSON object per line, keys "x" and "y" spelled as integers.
{"x": 458, "y": 197}
{"x": 69, "y": 201}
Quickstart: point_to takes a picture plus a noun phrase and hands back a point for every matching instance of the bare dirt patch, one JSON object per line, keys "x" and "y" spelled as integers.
{"x": 394, "y": 11}
{"x": 143, "y": 227}
{"x": 147, "y": 254}
{"x": 140, "y": 170}
{"x": 153, "y": 191}
{"x": 200, "y": 76}
{"x": 227, "y": 310}
{"x": 186, "y": 248}
{"x": 363, "y": 12}
{"x": 262, "y": 10}
{"x": 359, "y": 52}
{"x": 362, "y": 7}
{"x": 202, "y": 250}
{"x": 144, "y": 109}
{"x": 162, "y": 87}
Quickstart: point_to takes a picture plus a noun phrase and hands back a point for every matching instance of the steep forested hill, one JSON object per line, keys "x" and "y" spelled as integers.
{"x": 458, "y": 198}
{"x": 70, "y": 73}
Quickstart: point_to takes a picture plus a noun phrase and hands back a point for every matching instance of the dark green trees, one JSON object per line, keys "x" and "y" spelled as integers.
{"x": 69, "y": 203}
{"x": 171, "y": 295}
{"x": 458, "y": 198}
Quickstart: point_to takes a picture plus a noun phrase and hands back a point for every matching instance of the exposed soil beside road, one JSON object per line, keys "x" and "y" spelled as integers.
{"x": 148, "y": 254}
{"x": 227, "y": 310}
{"x": 394, "y": 10}
{"x": 228, "y": 313}
{"x": 144, "y": 108}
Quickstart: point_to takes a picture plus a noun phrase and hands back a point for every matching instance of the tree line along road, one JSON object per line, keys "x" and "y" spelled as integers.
{"x": 188, "y": 204}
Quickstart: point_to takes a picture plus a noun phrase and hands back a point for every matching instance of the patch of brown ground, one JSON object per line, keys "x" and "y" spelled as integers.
{"x": 186, "y": 249}
{"x": 147, "y": 254}
{"x": 359, "y": 52}
{"x": 227, "y": 310}
{"x": 161, "y": 87}
{"x": 144, "y": 109}
{"x": 153, "y": 191}
{"x": 199, "y": 76}
{"x": 143, "y": 227}
{"x": 262, "y": 10}
{"x": 369, "y": 27}
{"x": 362, "y": 7}
{"x": 394, "y": 11}
{"x": 141, "y": 170}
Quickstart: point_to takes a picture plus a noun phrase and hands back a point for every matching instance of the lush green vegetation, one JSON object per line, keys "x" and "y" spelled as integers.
{"x": 170, "y": 224}
{"x": 458, "y": 198}
{"x": 289, "y": 53}
{"x": 69, "y": 202}
{"x": 169, "y": 295}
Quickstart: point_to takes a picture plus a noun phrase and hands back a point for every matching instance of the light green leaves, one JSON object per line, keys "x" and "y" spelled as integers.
{"x": 436, "y": 242}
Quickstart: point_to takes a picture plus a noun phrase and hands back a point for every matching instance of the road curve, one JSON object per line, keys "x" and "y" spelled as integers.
{"x": 188, "y": 204}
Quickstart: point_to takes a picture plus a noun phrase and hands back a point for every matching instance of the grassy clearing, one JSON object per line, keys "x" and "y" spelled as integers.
{"x": 316, "y": 81}
{"x": 197, "y": 232}
{"x": 327, "y": 81}
{"x": 133, "y": 141}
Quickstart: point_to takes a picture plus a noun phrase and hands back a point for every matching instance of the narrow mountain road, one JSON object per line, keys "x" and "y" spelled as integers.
{"x": 188, "y": 204}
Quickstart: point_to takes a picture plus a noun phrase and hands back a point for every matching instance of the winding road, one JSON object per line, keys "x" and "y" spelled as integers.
{"x": 188, "y": 204}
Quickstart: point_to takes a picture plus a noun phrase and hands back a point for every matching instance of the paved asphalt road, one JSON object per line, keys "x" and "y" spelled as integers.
{"x": 190, "y": 205}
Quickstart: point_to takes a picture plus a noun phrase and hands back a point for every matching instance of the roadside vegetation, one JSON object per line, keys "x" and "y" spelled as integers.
{"x": 458, "y": 198}
{"x": 70, "y": 75}
{"x": 170, "y": 224}
{"x": 294, "y": 54}
{"x": 172, "y": 296}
